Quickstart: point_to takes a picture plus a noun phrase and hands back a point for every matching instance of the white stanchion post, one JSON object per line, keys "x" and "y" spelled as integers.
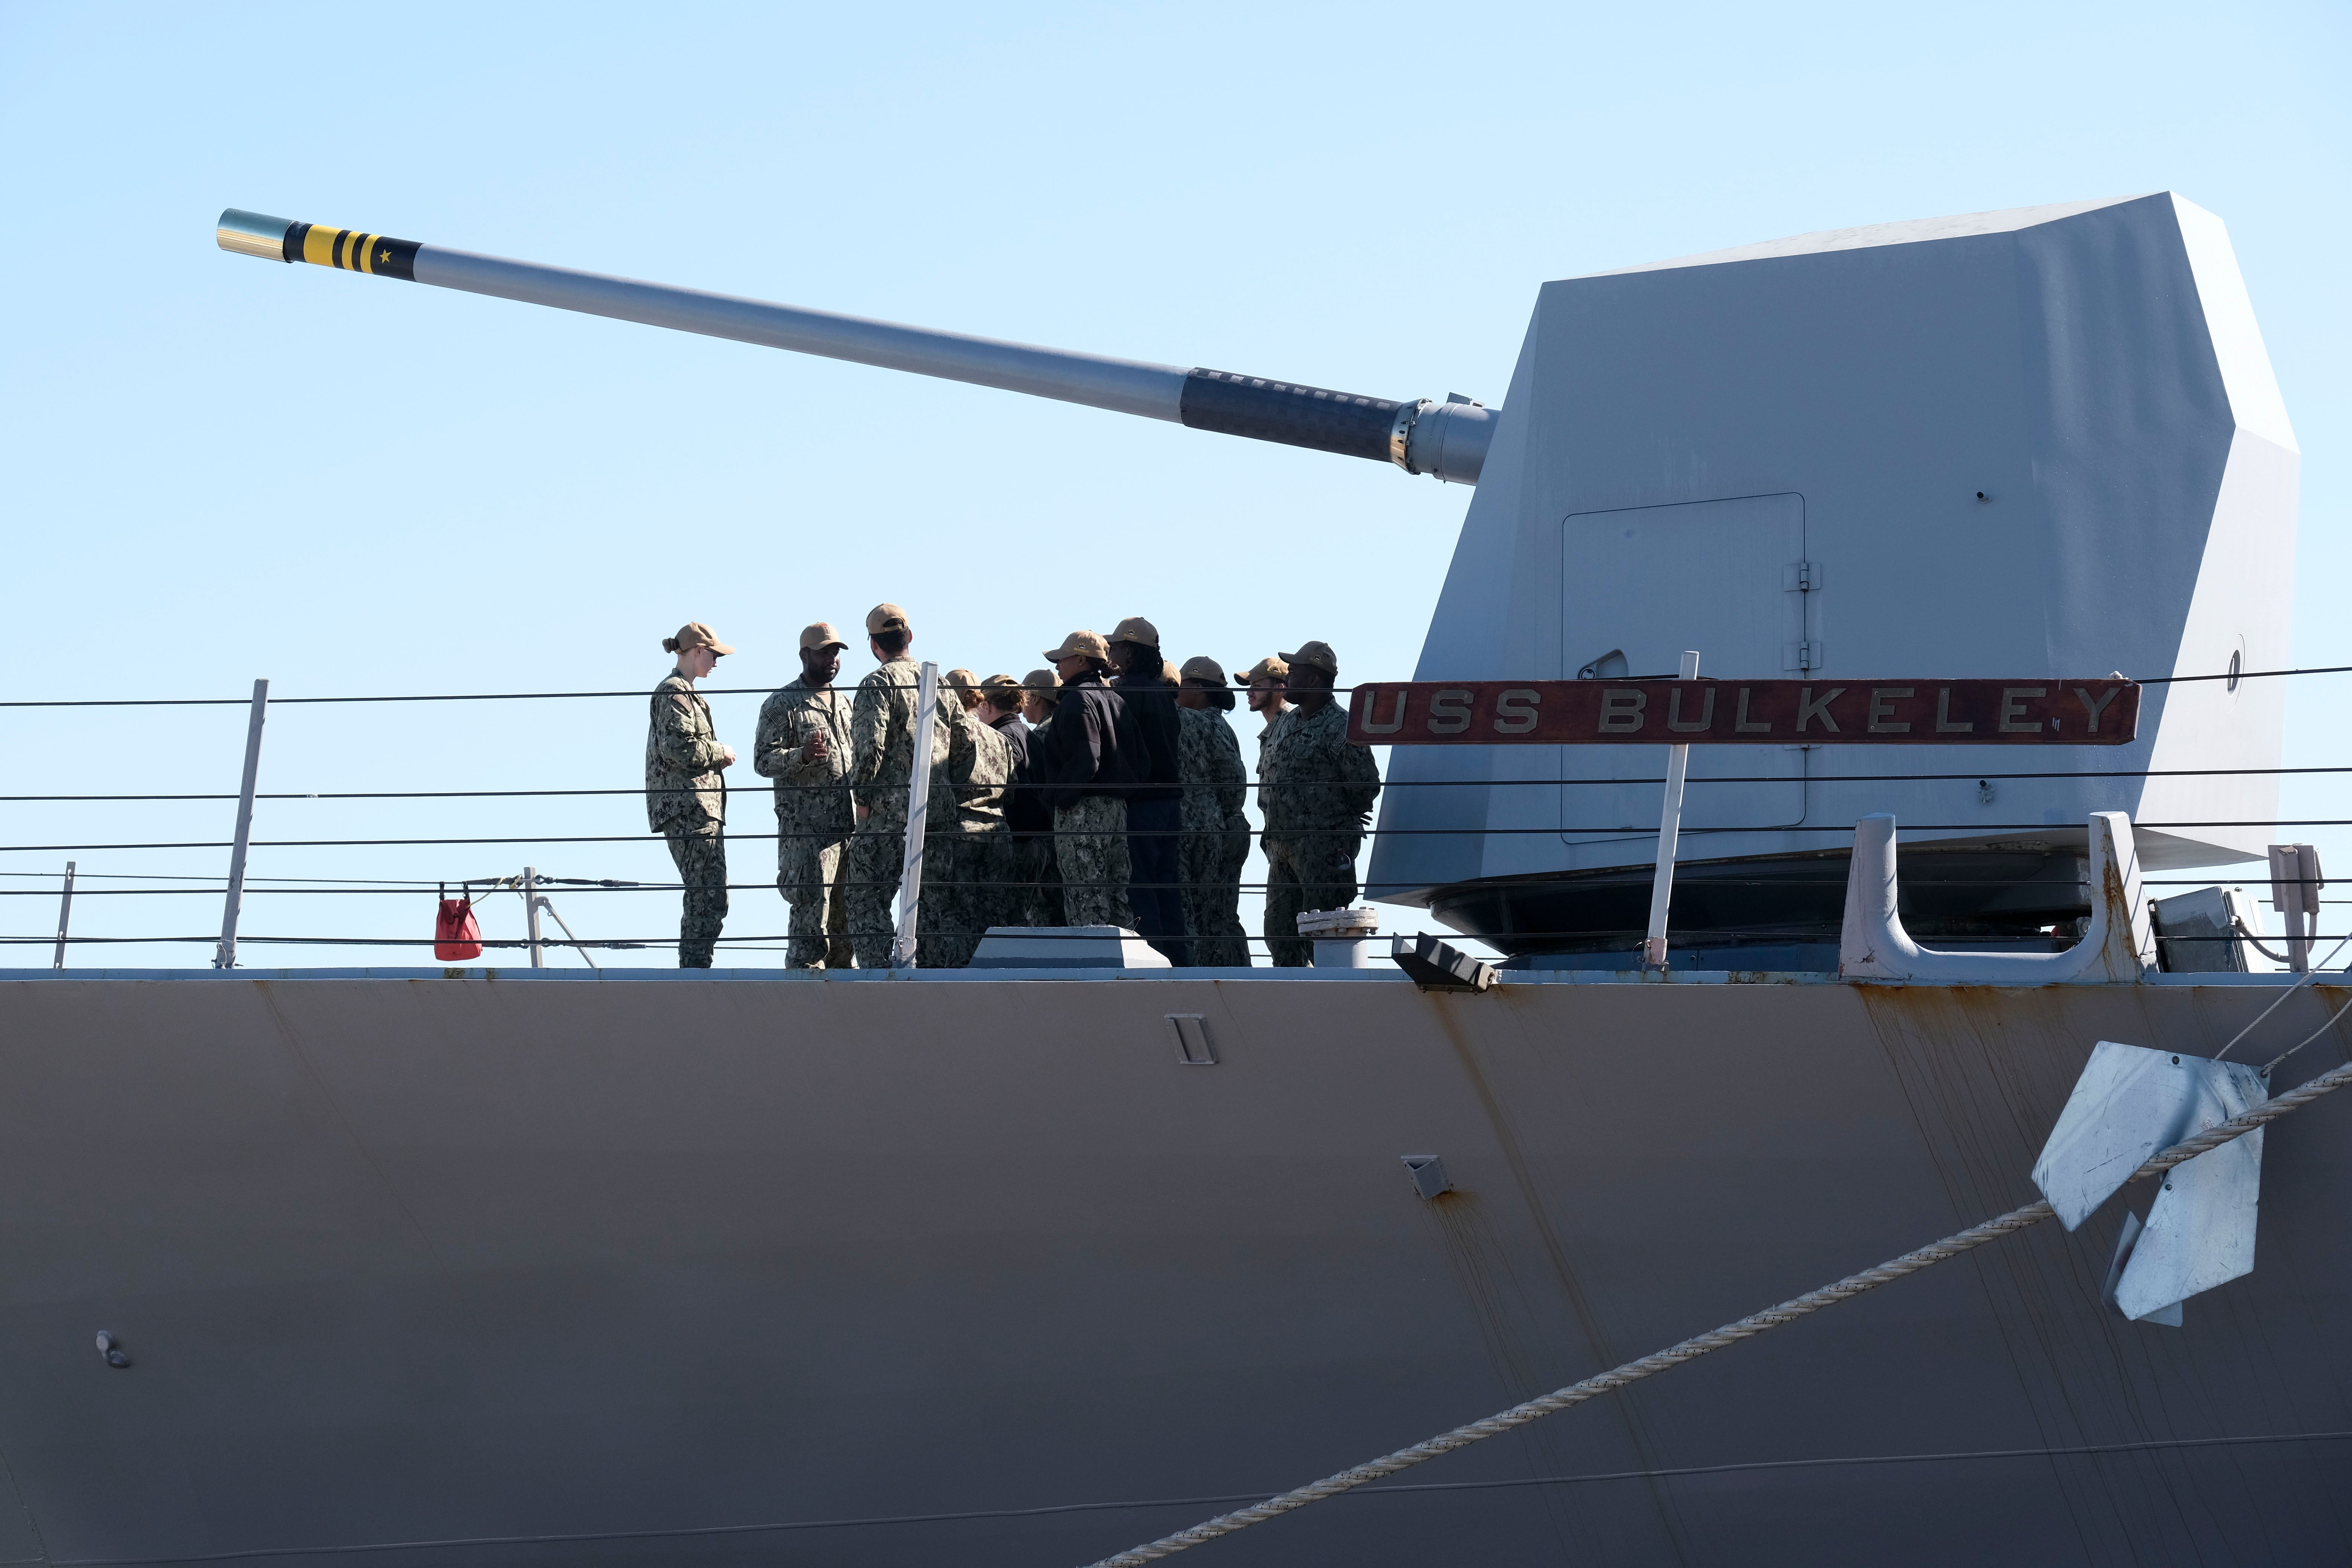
{"x": 918, "y": 796}
{"x": 531, "y": 902}
{"x": 1670, "y": 825}
{"x": 64, "y": 916}
{"x": 225, "y": 956}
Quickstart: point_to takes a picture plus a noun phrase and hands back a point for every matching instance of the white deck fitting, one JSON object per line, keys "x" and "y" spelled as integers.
{"x": 2119, "y": 944}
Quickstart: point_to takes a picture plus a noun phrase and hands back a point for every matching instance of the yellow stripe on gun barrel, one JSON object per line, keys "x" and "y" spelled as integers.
{"x": 345, "y": 249}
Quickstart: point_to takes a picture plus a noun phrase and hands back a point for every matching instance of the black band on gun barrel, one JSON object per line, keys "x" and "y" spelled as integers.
{"x": 393, "y": 259}
{"x": 1283, "y": 411}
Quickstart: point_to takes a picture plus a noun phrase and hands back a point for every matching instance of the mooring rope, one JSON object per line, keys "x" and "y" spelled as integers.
{"x": 1692, "y": 1349}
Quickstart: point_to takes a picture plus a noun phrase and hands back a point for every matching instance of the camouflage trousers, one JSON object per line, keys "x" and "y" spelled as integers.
{"x": 957, "y": 902}
{"x": 809, "y": 875}
{"x": 1090, "y": 850}
{"x": 1213, "y": 893}
{"x": 875, "y": 857}
{"x": 1305, "y": 873}
{"x": 992, "y": 875}
{"x": 874, "y": 864}
{"x": 701, "y": 850}
{"x": 1032, "y": 895}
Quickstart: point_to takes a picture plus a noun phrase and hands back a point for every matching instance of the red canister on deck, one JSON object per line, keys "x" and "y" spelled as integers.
{"x": 455, "y": 932}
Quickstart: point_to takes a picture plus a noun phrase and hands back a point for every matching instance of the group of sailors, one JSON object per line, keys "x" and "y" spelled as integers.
{"x": 1103, "y": 789}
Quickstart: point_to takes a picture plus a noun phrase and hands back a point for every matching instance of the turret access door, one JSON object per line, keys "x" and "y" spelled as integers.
{"x": 1729, "y": 578}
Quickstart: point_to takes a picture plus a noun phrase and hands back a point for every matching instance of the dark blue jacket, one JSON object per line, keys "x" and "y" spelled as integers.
{"x": 1093, "y": 747}
{"x": 1152, "y": 701}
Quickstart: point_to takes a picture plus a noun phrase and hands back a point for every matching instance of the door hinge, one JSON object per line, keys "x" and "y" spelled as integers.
{"x": 1801, "y": 656}
{"x": 1801, "y": 577}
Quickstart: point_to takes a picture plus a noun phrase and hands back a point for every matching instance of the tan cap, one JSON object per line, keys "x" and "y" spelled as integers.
{"x": 965, "y": 685}
{"x": 1318, "y": 654}
{"x": 1001, "y": 689}
{"x": 1137, "y": 631}
{"x": 1088, "y": 643}
{"x": 886, "y": 618}
{"x": 820, "y": 634}
{"x": 1203, "y": 668}
{"x": 1042, "y": 681}
{"x": 1270, "y": 667}
{"x": 694, "y": 634}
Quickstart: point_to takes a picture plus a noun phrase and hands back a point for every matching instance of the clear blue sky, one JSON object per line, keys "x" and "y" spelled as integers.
{"x": 218, "y": 470}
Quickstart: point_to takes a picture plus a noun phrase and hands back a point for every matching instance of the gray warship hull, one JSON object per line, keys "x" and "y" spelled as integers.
{"x": 479, "y": 1267}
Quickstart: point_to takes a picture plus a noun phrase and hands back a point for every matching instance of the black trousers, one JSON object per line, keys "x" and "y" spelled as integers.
{"x": 1156, "y": 874}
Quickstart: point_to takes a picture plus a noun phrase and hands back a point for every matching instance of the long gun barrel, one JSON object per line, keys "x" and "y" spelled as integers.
{"x": 1445, "y": 439}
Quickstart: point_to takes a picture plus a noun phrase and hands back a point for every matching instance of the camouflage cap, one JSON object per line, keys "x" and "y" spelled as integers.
{"x": 886, "y": 618}
{"x": 1089, "y": 644}
{"x": 694, "y": 634}
{"x": 1204, "y": 670}
{"x": 1318, "y": 654}
{"x": 1270, "y": 667}
{"x": 820, "y": 634}
{"x": 1137, "y": 631}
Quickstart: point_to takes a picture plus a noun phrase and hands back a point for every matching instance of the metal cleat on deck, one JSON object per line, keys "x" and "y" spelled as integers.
{"x": 1435, "y": 965}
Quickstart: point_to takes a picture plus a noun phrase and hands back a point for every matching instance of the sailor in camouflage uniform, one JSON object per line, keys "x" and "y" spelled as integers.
{"x": 1006, "y": 887}
{"x": 1268, "y": 681}
{"x": 686, "y": 794}
{"x": 1216, "y": 835}
{"x": 882, "y": 743}
{"x": 1316, "y": 789}
{"x": 804, "y": 744}
{"x": 967, "y": 820}
{"x": 1089, "y": 765}
{"x": 942, "y": 893}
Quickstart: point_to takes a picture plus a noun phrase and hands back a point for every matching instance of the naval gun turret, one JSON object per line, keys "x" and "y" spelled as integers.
{"x": 2039, "y": 441}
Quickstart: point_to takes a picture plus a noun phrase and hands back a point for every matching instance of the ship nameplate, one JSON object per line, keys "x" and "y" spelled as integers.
{"x": 2036, "y": 711}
